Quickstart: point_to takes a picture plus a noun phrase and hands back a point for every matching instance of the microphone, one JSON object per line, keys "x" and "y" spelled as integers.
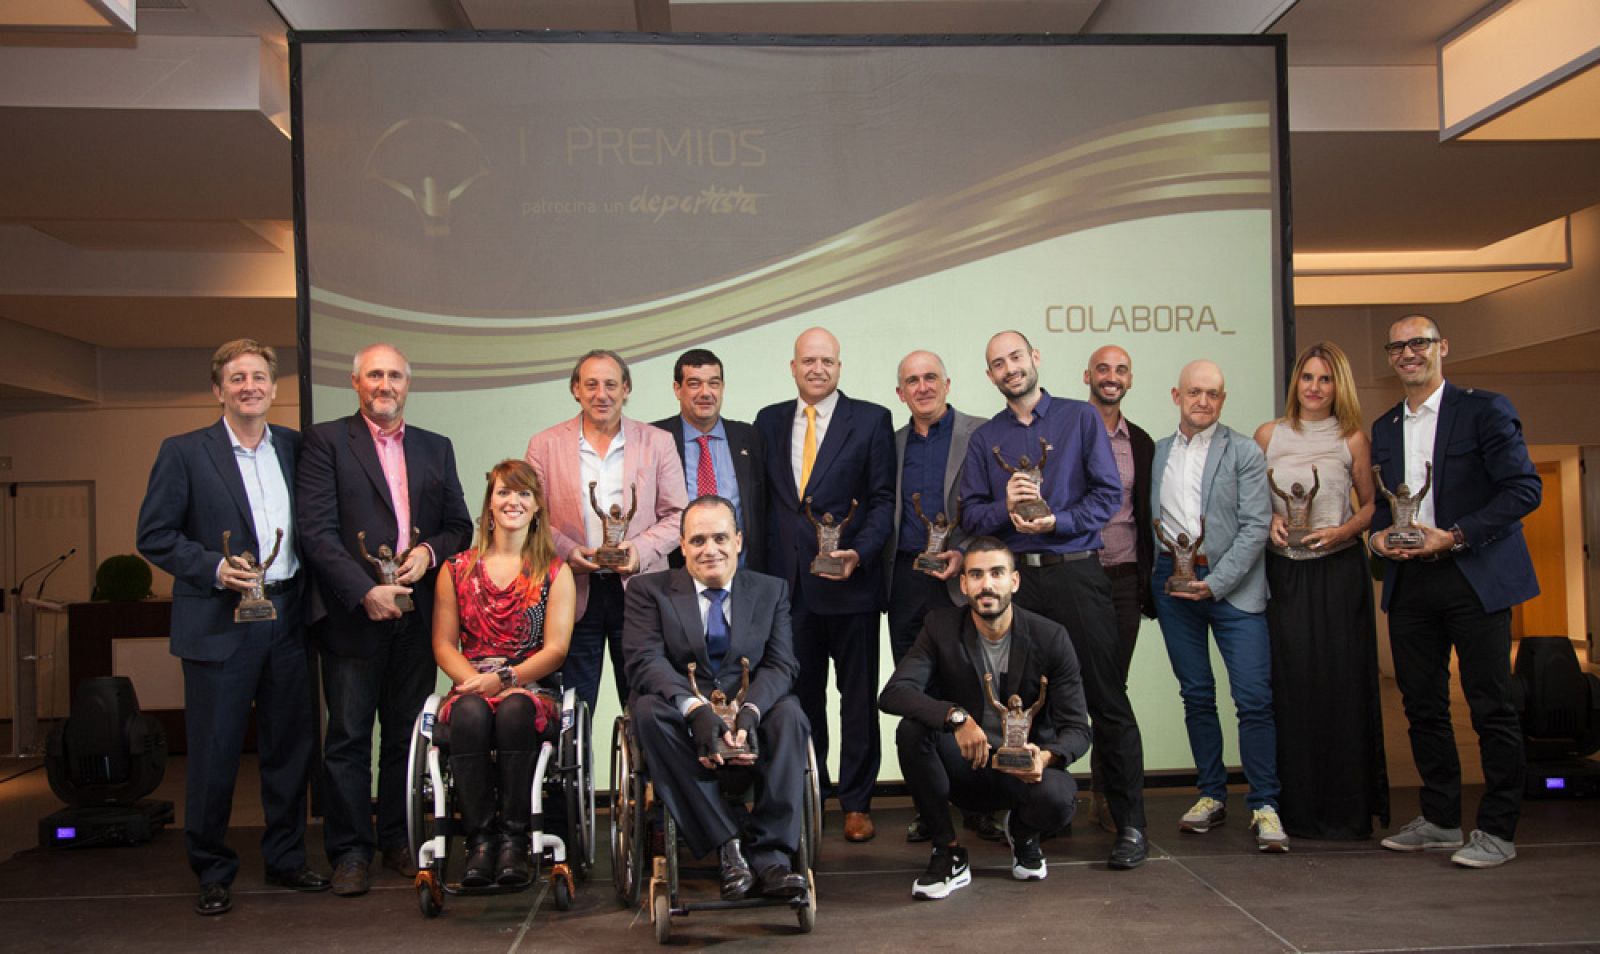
{"x": 51, "y": 567}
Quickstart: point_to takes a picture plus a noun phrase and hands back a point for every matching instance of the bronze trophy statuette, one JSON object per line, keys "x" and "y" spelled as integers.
{"x": 614, "y": 527}
{"x": 727, "y": 711}
{"x": 938, "y": 529}
{"x": 1297, "y": 502}
{"x": 828, "y": 534}
{"x": 389, "y": 567}
{"x": 1035, "y": 509}
{"x": 1404, "y": 534}
{"x": 1183, "y": 554}
{"x": 1016, "y": 722}
{"x": 254, "y": 607}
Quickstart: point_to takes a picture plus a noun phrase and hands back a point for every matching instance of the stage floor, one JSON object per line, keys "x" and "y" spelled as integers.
{"x": 1211, "y": 892}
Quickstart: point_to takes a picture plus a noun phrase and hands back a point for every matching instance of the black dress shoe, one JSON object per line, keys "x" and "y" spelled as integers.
{"x": 1129, "y": 851}
{"x": 917, "y": 831}
{"x": 352, "y": 877}
{"x": 482, "y": 854}
{"x": 736, "y": 876}
{"x": 984, "y": 825}
{"x": 299, "y": 879}
{"x": 213, "y": 900}
{"x": 511, "y": 867}
{"x": 778, "y": 881}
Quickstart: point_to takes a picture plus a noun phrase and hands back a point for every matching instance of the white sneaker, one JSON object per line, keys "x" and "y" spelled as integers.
{"x": 1484, "y": 850}
{"x": 947, "y": 871}
{"x": 1269, "y": 831}
{"x": 1202, "y": 815}
{"x": 1420, "y": 834}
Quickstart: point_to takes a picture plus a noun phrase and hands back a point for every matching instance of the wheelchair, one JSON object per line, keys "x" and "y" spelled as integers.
{"x": 641, "y": 823}
{"x": 563, "y": 774}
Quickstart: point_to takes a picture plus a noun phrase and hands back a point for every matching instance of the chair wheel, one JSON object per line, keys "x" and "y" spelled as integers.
{"x": 430, "y": 898}
{"x": 808, "y": 918}
{"x": 661, "y": 913}
{"x": 563, "y": 894}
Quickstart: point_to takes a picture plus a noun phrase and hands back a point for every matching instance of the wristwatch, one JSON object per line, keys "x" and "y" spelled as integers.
{"x": 1458, "y": 539}
{"x": 508, "y": 677}
{"x": 957, "y": 718}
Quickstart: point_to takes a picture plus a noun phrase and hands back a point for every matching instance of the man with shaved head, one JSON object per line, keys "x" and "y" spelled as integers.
{"x": 831, "y": 455}
{"x": 1454, "y": 589}
{"x": 1128, "y": 551}
{"x": 1211, "y": 486}
{"x": 1057, "y": 557}
{"x": 929, "y": 451}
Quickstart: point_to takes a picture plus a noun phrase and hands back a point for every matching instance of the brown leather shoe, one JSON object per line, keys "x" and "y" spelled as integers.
{"x": 351, "y": 878}
{"x": 398, "y": 859}
{"x": 858, "y": 827}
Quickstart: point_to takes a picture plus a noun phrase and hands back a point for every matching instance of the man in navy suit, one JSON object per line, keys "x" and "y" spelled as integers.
{"x": 827, "y": 453}
{"x": 373, "y": 473}
{"x": 1456, "y": 588}
{"x": 235, "y": 477}
{"x": 711, "y": 613}
{"x": 721, "y": 457}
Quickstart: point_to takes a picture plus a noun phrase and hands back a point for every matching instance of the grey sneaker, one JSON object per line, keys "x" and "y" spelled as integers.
{"x": 1484, "y": 850}
{"x": 1269, "y": 830}
{"x": 1202, "y": 815}
{"x": 1419, "y": 834}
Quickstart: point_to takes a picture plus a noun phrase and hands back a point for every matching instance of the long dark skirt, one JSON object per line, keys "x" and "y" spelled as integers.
{"x": 1325, "y": 696}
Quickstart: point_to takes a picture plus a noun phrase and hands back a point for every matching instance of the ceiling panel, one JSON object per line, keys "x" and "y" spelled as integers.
{"x": 151, "y": 322}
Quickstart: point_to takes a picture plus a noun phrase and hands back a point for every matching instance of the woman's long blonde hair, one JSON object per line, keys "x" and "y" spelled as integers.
{"x": 1346, "y": 406}
{"x": 539, "y": 550}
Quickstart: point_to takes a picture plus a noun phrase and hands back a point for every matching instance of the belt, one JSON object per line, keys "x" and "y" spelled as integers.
{"x": 1200, "y": 560}
{"x": 1118, "y": 570}
{"x": 1051, "y": 559}
{"x": 279, "y": 587}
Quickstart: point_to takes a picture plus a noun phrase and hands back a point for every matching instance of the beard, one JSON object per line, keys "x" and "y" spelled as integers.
{"x": 1002, "y": 603}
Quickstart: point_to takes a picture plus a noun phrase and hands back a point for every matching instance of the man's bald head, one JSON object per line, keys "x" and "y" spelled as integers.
{"x": 1199, "y": 396}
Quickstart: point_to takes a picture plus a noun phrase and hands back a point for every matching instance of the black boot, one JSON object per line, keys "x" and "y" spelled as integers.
{"x": 475, "y": 791}
{"x": 516, "y": 808}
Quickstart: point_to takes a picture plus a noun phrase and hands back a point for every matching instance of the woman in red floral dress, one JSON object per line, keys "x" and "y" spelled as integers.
{"x": 502, "y": 621}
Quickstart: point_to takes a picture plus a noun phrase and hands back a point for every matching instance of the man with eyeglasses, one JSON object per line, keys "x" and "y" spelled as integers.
{"x": 1211, "y": 486}
{"x": 1455, "y": 589}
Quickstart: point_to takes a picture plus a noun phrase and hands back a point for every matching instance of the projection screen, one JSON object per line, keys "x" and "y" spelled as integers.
{"x": 496, "y": 205}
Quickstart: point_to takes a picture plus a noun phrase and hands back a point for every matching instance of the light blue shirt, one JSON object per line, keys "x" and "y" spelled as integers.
{"x": 270, "y": 509}
{"x": 721, "y": 462}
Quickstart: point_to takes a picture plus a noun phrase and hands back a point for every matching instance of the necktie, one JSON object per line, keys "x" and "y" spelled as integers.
{"x": 705, "y": 478}
{"x": 716, "y": 629}
{"x": 808, "y": 449}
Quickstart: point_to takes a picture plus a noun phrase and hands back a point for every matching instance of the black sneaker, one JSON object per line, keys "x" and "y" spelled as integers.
{"x": 947, "y": 871}
{"x": 1027, "y": 859}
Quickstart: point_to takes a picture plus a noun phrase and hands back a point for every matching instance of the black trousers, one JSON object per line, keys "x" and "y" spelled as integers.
{"x": 1433, "y": 610}
{"x": 938, "y": 776}
{"x": 911, "y": 594}
{"x": 1077, "y": 595}
{"x": 694, "y": 793}
{"x": 1125, "y": 603}
{"x": 270, "y": 672}
{"x": 850, "y": 642}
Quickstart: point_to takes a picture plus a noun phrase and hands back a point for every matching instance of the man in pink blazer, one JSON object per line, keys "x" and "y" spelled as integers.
{"x": 619, "y": 457}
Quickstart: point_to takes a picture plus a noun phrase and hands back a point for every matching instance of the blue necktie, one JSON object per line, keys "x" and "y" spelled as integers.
{"x": 716, "y": 629}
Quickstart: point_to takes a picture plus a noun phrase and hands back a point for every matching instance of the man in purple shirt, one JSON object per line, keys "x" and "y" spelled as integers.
{"x": 1057, "y": 552}
{"x": 1128, "y": 554}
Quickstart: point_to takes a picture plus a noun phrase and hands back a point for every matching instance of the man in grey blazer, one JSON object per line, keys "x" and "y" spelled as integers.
{"x": 928, "y": 453}
{"x": 1210, "y": 483}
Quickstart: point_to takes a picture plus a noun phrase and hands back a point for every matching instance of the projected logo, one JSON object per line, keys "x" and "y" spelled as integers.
{"x": 432, "y": 162}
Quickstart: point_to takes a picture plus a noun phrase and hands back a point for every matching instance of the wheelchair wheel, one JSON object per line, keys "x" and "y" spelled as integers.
{"x": 627, "y": 818}
{"x": 563, "y": 894}
{"x": 419, "y": 791}
{"x": 579, "y": 790}
{"x": 811, "y": 821}
{"x": 430, "y": 894}
{"x": 661, "y": 914}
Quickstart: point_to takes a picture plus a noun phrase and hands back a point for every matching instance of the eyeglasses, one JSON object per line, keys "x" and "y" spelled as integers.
{"x": 1415, "y": 346}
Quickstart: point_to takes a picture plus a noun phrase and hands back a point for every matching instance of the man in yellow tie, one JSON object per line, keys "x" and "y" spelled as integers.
{"x": 838, "y": 453}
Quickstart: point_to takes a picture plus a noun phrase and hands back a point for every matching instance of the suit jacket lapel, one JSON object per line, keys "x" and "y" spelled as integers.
{"x": 285, "y": 452}
{"x": 685, "y": 602}
{"x": 838, "y": 435}
{"x": 221, "y": 451}
{"x": 961, "y": 429}
{"x": 900, "y": 438}
{"x": 1214, "y": 453}
{"x": 416, "y": 477}
{"x": 1021, "y": 652}
{"x": 366, "y": 452}
{"x": 1448, "y": 405}
{"x": 742, "y": 625}
{"x": 783, "y": 450}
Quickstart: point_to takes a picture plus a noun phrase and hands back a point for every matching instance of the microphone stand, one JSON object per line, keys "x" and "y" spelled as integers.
{"x": 24, "y": 690}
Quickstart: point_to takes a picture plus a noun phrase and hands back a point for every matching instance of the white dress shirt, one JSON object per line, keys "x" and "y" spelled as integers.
{"x": 607, "y": 472}
{"x": 797, "y": 436}
{"x": 704, "y": 602}
{"x": 270, "y": 511}
{"x": 1418, "y": 429}
{"x": 1182, "y": 483}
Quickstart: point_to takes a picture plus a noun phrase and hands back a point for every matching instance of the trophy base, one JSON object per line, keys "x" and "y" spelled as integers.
{"x": 404, "y": 603}
{"x": 1297, "y": 539}
{"x": 1013, "y": 760}
{"x": 827, "y": 565}
{"x": 610, "y": 558}
{"x": 1175, "y": 585}
{"x": 1409, "y": 538}
{"x": 255, "y": 611}
{"x": 731, "y": 751}
{"x": 1032, "y": 510}
{"x": 928, "y": 563}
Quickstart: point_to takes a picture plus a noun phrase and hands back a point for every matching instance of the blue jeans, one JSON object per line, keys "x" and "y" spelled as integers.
{"x": 1247, "y": 653}
{"x": 596, "y": 632}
